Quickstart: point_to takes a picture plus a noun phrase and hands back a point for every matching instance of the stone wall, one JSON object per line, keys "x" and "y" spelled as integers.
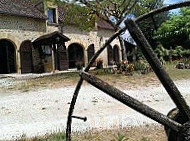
{"x": 85, "y": 38}
{"x": 18, "y": 29}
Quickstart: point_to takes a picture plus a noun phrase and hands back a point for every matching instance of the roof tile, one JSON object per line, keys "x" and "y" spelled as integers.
{"x": 20, "y": 8}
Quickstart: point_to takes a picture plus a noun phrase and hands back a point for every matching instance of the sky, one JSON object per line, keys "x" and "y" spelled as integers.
{"x": 172, "y": 1}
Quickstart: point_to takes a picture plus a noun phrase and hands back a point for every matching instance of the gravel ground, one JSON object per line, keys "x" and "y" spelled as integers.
{"x": 44, "y": 111}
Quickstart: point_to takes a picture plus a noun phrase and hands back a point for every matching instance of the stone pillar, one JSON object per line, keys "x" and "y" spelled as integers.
{"x": 18, "y": 62}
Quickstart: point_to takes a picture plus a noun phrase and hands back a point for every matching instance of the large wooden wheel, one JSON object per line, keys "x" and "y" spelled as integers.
{"x": 177, "y": 123}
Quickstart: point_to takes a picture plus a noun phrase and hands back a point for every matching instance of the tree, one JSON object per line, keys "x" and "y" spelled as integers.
{"x": 78, "y": 16}
{"x": 176, "y": 30}
{"x": 120, "y": 9}
{"x": 150, "y": 25}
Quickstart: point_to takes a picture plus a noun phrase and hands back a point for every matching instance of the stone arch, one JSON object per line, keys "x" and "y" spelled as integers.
{"x": 116, "y": 54}
{"x": 110, "y": 55}
{"x": 7, "y": 56}
{"x": 78, "y": 41}
{"x": 14, "y": 40}
{"x": 26, "y": 57}
{"x": 76, "y": 55}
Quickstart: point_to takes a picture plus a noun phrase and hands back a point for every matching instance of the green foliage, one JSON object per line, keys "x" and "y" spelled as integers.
{"x": 79, "y": 16}
{"x": 144, "y": 6}
{"x": 176, "y": 53}
{"x": 150, "y": 25}
{"x": 161, "y": 51}
{"x": 176, "y": 30}
{"x": 120, "y": 137}
{"x": 142, "y": 66}
{"x": 145, "y": 139}
{"x": 56, "y": 137}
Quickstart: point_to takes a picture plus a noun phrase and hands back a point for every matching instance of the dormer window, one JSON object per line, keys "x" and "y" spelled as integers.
{"x": 51, "y": 15}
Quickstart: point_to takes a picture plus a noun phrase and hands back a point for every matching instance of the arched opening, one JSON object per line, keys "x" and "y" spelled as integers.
{"x": 26, "y": 57}
{"x": 110, "y": 55}
{"x": 7, "y": 57}
{"x": 76, "y": 55}
{"x": 116, "y": 54}
{"x": 91, "y": 52}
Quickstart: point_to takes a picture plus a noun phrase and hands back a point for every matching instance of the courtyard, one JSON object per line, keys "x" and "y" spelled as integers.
{"x": 37, "y": 104}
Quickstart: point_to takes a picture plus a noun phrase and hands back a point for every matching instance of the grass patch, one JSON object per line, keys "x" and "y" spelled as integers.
{"x": 52, "y": 137}
{"x": 118, "y": 80}
{"x": 144, "y": 133}
{"x": 177, "y": 74}
{"x": 53, "y": 81}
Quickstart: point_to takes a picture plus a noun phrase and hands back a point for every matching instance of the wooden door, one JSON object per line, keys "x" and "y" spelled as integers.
{"x": 110, "y": 55}
{"x": 62, "y": 57}
{"x": 26, "y": 57}
{"x": 116, "y": 54}
{"x": 91, "y": 52}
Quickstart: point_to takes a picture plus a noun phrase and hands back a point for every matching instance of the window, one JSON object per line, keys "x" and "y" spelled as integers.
{"x": 51, "y": 15}
{"x": 46, "y": 50}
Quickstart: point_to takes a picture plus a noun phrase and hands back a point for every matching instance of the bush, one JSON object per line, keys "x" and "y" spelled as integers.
{"x": 125, "y": 68}
{"x": 143, "y": 66}
{"x": 99, "y": 64}
{"x": 79, "y": 65}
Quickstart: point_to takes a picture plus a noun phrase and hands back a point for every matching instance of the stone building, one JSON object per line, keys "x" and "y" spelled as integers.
{"x": 33, "y": 39}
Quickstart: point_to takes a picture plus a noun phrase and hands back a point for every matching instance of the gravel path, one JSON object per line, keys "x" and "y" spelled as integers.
{"x": 45, "y": 111}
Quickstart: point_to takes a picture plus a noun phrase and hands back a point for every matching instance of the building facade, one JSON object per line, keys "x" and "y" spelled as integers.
{"x": 32, "y": 39}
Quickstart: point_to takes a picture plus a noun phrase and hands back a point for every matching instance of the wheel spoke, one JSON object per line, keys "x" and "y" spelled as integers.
{"x": 131, "y": 102}
{"x": 153, "y": 60}
{"x": 162, "y": 9}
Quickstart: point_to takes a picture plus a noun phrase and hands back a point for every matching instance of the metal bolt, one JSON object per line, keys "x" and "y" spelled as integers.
{"x": 81, "y": 118}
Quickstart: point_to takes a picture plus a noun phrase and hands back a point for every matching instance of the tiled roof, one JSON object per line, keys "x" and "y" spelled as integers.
{"x": 24, "y": 8}
{"x": 104, "y": 25}
{"x": 51, "y": 38}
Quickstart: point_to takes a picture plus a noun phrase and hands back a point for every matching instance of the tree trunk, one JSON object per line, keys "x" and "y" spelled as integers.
{"x": 123, "y": 48}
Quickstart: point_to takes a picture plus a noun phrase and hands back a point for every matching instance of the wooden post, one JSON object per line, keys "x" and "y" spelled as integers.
{"x": 56, "y": 58}
{"x": 134, "y": 54}
{"x": 53, "y": 58}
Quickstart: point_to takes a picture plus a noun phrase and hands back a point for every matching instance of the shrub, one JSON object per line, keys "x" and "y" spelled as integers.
{"x": 79, "y": 65}
{"x": 99, "y": 64}
{"x": 143, "y": 66}
{"x": 130, "y": 68}
{"x": 122, "y": 66}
